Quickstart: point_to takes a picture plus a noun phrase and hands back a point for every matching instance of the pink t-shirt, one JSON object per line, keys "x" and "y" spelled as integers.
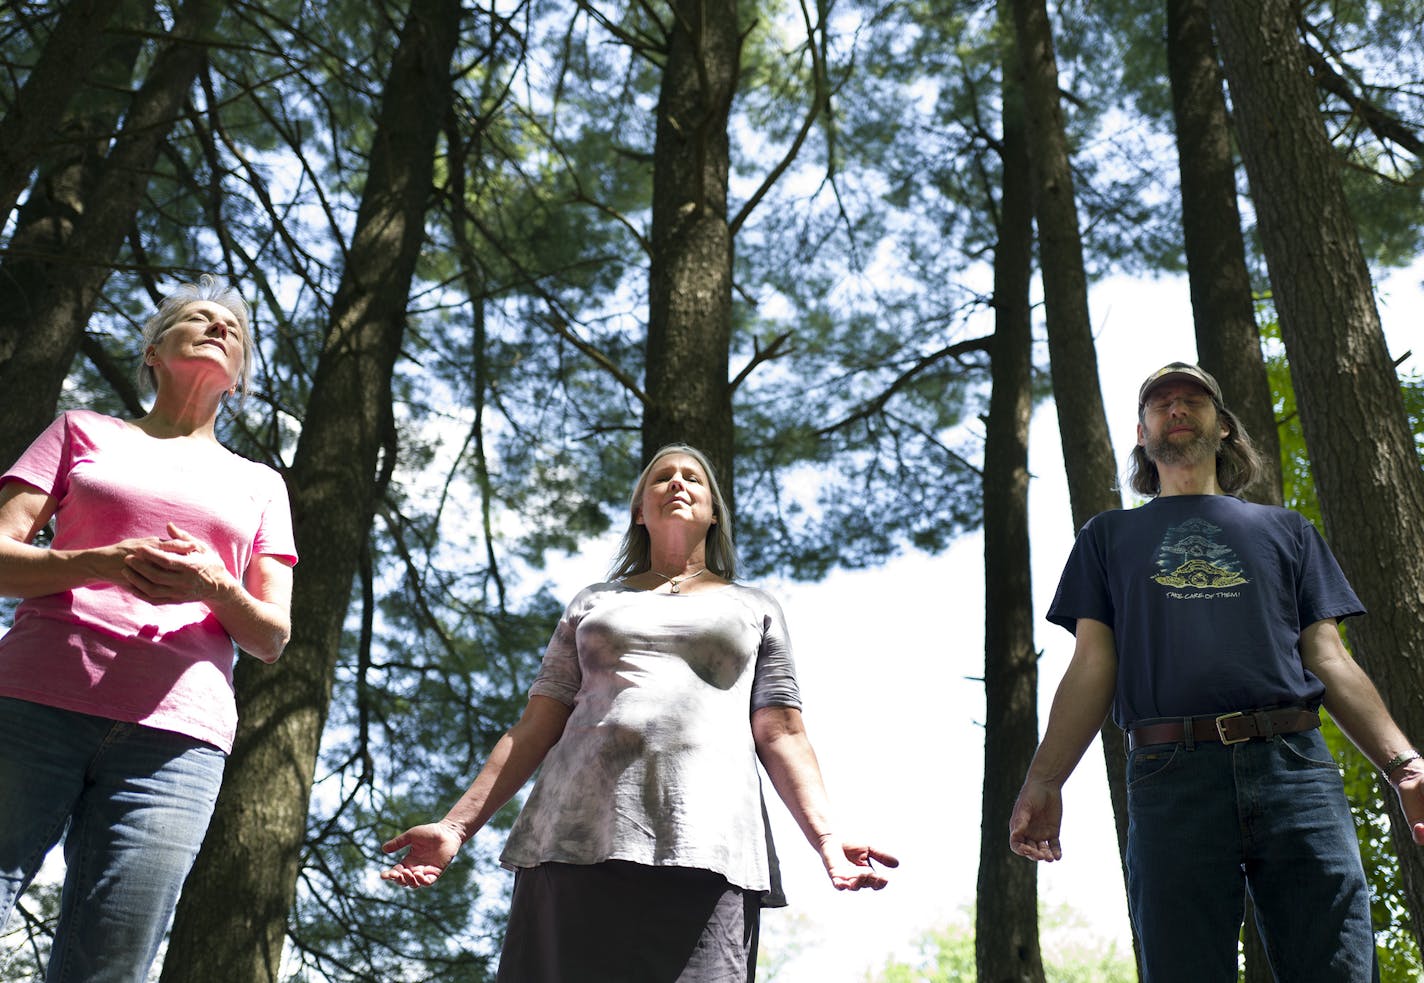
{"x": 101, "y": 650}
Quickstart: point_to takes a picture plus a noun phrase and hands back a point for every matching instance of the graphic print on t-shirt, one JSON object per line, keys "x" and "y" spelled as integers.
{"x": 1191, "y": 555}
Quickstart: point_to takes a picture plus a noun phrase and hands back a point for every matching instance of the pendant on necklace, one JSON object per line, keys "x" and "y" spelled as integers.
{"x": 674, "y": 583}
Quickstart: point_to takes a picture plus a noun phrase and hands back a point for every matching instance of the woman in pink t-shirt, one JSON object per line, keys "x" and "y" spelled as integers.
{"x": 116, "y": 701}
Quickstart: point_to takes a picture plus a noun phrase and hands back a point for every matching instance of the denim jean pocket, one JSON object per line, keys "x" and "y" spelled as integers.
{"x": 1150, "y": 761}
{"x": 1307, "y": 747}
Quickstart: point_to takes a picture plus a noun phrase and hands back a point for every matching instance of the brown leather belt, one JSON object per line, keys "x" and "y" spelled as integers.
{"x": 1228, "y": 728}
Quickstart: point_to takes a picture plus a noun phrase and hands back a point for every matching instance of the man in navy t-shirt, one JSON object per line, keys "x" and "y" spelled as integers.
{"x": 1209, "y": 626}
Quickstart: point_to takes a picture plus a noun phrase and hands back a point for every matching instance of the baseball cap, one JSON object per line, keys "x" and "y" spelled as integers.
{"x": 1174, "y": 371}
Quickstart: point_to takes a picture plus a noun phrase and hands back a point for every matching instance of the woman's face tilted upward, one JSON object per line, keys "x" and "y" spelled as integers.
{"x": 205, "y": 345}
{"x": 676, "y": 491}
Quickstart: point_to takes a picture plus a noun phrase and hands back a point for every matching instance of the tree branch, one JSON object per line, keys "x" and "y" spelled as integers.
{"x": 776, "y": 349}
{"x": 877, "y": 404}
{"x": 1386, "y": 126}
{"x": 563, "y": 329}
{"x": 820, "y": 100}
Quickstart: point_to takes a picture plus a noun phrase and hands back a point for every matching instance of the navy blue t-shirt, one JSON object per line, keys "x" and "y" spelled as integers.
{"x": 1206, "y": 596}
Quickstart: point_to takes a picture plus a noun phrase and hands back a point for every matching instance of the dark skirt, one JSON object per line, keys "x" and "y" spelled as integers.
{"x": 621, "y": 922}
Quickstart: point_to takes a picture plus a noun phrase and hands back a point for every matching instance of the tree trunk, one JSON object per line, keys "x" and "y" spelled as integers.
{"x": 1006, "y": 946}
{"x": 1087, "y": 449}
{"x": 690, "y": 275}
{"x": 1365, "y": 464}
{"x": 1224, "y": 310}
{"x": 1082, "y": 422}
{"x": 48, "y": 290}
{"x": 1228, "y": 341}
{"x": 231, "y": 921}
{"x": 27, "y": 132}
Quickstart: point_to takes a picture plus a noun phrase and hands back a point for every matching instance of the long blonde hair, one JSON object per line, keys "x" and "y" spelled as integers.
{"x": 635, "y": 552}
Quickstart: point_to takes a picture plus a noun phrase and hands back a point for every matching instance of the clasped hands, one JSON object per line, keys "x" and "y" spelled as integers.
{"x": 175, "y": 570}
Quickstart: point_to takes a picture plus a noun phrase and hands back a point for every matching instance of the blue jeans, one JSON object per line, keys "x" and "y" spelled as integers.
{"x": 136, "y": 802}
{"x": 1210, "y": 821}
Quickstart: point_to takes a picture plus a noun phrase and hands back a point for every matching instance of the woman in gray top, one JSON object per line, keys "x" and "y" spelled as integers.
{"x": 642, "y": 853}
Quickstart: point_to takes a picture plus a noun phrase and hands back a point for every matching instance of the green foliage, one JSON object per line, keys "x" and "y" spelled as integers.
{"x": 1071, "y": 955}
{"x": 1369, "y": 796}
{"x": 862, "y": 286}
{"x": 1116, "y": 103}
{"x": 1369, "y": 56}
{"x": 847, "y": 439}
{"x": 783, "y": 939}
{"x": 945, "y": 955}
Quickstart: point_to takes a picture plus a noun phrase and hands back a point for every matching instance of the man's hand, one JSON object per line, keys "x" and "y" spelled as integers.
{"x": 1035, "y": 821}
{"x": 1409, "y": 784}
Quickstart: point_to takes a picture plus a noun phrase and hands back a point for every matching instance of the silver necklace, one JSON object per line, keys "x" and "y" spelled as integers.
{"x": 676, "y": 582}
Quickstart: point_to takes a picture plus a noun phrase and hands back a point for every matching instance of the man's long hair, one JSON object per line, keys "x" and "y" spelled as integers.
{"x": 1237, "y": 462}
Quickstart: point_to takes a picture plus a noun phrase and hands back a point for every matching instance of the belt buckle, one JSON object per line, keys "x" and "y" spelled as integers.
{"x": 1221, "y": 731}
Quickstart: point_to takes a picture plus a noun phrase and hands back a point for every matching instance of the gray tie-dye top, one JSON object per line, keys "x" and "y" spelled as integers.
{"x": 656, "y": 764}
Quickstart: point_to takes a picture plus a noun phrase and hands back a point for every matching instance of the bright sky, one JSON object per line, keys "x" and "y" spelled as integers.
{"x": 887, "y": 660}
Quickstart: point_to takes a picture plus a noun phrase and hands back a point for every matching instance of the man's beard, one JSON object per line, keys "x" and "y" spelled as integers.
{"x": 1203, "y": 446}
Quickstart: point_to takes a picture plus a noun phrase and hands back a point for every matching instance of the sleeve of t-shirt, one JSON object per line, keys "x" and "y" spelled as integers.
{"x": 559, "y": 673}
{"x": 274, "y": 532}
{"x": 774, "y": 680}
{"x": 44, "y": 464}
{"x": 1083, "y": 588}
{"x": 1322, "y": 590}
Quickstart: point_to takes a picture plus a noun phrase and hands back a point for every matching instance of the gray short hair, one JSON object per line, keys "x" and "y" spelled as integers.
{"x": 210, "y": 286}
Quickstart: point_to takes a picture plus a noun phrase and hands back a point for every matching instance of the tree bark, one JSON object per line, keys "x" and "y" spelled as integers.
{"x": 1087, "y": 449}
{"x": 690, "y": 273}
{"x": 1082, "y": 421}
{"x": 1228, "y": 340}
{"x": 1366, "y": 468}
{"x": 27, "y": 132}
{"x": 52, "y": 277}
{"x": 1224, "y": 310}
{"x": 1006, "y": 948}
{"x": 231, "y": 921}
